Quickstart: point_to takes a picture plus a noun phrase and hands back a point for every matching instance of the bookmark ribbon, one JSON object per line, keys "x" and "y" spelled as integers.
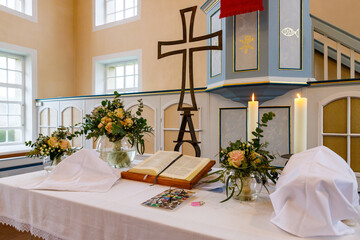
{"x": 166, "y": 168}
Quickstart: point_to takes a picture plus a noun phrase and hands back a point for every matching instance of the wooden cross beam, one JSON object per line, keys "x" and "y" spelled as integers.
{"x": 186, "y": 120}
{"x": 191, "y": 52}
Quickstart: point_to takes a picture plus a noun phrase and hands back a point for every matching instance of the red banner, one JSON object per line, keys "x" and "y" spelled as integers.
{"x": 236, "y": 7}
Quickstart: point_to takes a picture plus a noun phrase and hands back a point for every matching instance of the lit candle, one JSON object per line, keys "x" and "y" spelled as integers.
{"x": 300, "y": 124}
{"x": 252, "y": 117}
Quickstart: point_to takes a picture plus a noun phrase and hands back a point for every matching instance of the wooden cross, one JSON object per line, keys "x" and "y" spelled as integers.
{"x": 187, "y": 110}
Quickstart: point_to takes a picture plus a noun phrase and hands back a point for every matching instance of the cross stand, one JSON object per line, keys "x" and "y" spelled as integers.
{"x": 187, "y": 119}
{"x": 184, "y": 52}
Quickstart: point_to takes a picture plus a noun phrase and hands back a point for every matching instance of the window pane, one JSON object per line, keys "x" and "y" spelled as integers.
{"x": 44, "y": 131}
{"x": 111, "y": 83}
{"x": 15, "y": 94}
{"x": 2, "y": 60}
{"x": 129, "y": 13}
{"x": 120, "y": 71}
{"x": 130, "y": 69}
{"x": 3, "y": 2}
{"x": 136, "y": 68}
{"x": 110, "y": 7}
{"x": 3, "y": 121}
{"x": 2, "y": 136}
{"x": 11, "y": 4}
{"x": 337, "y": 144}
{"x": 14, "y": 77}
{"x": 136, "y": 81}
{"x": 3, "y": 108}
{"x": 135, "y": 11}
{"x": 119, "y": 15}
{"x": 129, "y": 3}
{"x": 3, "y": 74}
{"x": 129, "y": 82}
{"x": 44, "y": 120}
{"x": 119, "y": 5}
{"x": 12, "y": 63}
{"x": 110, "y": 18}
{"x": 14, "y": 135}
{"x": 3, "y": 93}
{"x": 19, "y": 5}
{"x": 335, "y": 116}
{"x": 355, "y": 115}
{"x": 53, "y": 117}
{"x": 355, "y": 154}
{"x": 14, "y": 109}
{"x": 119, "y": 82}
{"x": 111, "y": 72}
{"x": 14, "y": 121}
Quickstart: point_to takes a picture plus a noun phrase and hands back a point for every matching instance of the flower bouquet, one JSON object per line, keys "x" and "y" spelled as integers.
{"x": 246, "y": 166}
{"x": 52, "y": 148}
{"x": 113, "y": 124}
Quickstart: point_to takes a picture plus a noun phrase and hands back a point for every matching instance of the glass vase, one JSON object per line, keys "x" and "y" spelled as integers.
{"x": 49, "y": 164}
{"x": 117, "y": 154}
{"x": 250, "y": 188}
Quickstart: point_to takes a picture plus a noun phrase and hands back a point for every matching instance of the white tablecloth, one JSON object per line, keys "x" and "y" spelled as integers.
{"x": 118, "y": 214}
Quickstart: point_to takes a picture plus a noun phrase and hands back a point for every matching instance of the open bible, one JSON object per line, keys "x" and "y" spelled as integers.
{"x": 171, "y": 169}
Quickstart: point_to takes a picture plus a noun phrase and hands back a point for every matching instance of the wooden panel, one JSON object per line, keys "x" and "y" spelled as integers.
{"x": 44, "y": 117}
{"x": 355, "y": 115}
{"x": 67, "y": 117}
{"x": 355, "y": 154}
{"x": 337, "y": 144}
{"x": 171, "y": 117}
{"x": 335, "y": 116}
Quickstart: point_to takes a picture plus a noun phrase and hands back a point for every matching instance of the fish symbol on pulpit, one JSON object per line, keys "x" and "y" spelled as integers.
{"x": 289, "y": 32}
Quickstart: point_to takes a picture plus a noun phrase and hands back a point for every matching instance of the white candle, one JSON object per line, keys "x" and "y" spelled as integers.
{"x": 300, "y": 124}
{"x": 252, "y": 117}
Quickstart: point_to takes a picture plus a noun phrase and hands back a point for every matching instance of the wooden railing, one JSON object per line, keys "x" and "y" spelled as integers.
{"x": 338, "y": 45}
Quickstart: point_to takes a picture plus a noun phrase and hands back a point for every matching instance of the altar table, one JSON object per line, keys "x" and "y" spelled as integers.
{"x": 118, "y": 214}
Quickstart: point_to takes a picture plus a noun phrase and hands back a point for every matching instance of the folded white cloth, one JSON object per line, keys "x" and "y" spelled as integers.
{"x": 83, "y": 171}
{"x": 315, "y": 192}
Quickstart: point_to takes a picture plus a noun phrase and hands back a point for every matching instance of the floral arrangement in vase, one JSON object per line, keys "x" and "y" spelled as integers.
{"x": 246, "y": 165}
{"x": 113, "y": 124}
{"x": 52, "y": 148}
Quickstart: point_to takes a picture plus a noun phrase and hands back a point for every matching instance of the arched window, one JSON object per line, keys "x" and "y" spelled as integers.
{"x": 48, "y": 121}
{"x": 341, "y": 128}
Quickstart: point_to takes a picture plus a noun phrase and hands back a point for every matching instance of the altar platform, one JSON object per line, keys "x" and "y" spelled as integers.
{"x": 118, "y": 214}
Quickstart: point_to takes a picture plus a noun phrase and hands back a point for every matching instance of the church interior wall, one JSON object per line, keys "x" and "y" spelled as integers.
{"x": 53, "y": 38}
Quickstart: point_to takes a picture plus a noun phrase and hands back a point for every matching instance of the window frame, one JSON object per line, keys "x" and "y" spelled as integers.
{"x": 124, "y": 89}
{"x": 348, "y": 134}
{"x": 99, "y": 15}
{"x": 30, "y": 111}
{"x": 22, "y": 102}
{"x": 99, "y": 69}
{"x": 29, "y": 10}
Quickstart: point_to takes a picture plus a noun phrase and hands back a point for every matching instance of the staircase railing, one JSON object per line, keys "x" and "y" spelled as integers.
{"x": 337, "y": 44}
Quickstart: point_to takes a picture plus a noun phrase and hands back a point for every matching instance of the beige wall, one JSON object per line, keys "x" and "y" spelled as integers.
{"x": 53, "y": 38}
{"x": 66, "y": 43}
{"x": 160, "y": 20}
{"x": 341, "y": 13}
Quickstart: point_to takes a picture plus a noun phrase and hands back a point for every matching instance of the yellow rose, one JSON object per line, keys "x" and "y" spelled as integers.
{"x": 100, "y": 125}
{"x": 105, "y": 120}
{"x": 129, "y": 122}
{"x": 236, "y": 157}
{"x": 119, "y": 112}
{"x": 108, "y": 127}
{"x": 53, "y": 142}
{"x": 64, "y": 144}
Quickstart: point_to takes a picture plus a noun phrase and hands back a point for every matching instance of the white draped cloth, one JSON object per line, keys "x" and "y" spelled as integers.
{"x": 316, "y": 191}
{"x": 118, "y": 214}
{"x": 83, "y": 171}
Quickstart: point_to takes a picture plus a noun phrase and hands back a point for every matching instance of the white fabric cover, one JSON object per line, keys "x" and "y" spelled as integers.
{"x": 83, "y": 171}
{"x": 315, "y": 192}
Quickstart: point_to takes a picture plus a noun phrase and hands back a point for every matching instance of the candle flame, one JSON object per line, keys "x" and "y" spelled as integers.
{"x": 253, "y": 97}
{"x": 298, "y": 95}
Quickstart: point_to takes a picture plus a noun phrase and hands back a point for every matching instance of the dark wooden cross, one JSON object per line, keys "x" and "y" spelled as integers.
{"x": 187, "y": 110}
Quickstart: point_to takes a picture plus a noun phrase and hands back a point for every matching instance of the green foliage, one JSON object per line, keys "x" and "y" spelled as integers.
{"x": 54, "y": 146}
{"x": 244, "y": 159}
{"x": 111, "y": 120}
